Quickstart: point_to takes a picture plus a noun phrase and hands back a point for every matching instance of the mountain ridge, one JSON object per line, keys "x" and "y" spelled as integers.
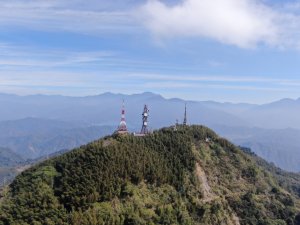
{"x": 150, "y": 94}
{"x": 188, "y": 176}
{"x": 153, "y": 94}
{"x": 104, "y": 110}
{"x": 35, "y": 137}
{"x": 8, "y": 158}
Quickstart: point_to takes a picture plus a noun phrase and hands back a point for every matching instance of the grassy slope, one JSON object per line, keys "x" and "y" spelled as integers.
{"x": 165, "y": 178}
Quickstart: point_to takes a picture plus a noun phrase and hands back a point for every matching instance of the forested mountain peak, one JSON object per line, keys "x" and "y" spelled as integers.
{"x": 184, "y": 176}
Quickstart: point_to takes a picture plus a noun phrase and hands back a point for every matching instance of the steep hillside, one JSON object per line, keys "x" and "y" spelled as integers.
{"x": 287, "y": 180}
{"x": 188, "y": 176}
{"x": 9, "y": 158}
{"x": 281, "y": 147}
{"x": 7, "y": 174}
{"x": 8, "y": 161}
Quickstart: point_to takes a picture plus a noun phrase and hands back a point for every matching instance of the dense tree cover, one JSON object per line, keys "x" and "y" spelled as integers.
{"x": 287, "y": 180}
{"x": 156, "y": 179}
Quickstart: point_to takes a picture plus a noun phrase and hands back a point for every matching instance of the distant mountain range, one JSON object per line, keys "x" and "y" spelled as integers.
{"x": 8, "y": 158}
{"x": 104, "y": 110}
{"x": 37, "y": 125}
{"x": 32, "y": 137}
{"x": 281, "y": 146}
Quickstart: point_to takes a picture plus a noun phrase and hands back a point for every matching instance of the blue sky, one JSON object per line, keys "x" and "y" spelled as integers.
{"x": 222, "y": 50}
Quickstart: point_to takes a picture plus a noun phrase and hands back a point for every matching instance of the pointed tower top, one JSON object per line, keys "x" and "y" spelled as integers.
{"x": 122, "y": 127}
{"x": 185, "y": 116}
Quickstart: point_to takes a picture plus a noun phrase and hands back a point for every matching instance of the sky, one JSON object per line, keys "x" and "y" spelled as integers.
{"x": 221, "y": 50}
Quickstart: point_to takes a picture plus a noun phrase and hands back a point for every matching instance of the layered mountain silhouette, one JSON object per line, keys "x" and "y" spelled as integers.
{"x": 37, "y": 125}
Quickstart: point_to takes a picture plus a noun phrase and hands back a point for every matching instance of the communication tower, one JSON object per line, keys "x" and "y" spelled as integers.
{"x": 185, "y": 117}
{"x": 122, "y": 129}
{"x": 145, "y": 115}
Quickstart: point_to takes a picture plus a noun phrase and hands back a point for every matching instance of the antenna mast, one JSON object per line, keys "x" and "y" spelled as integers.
{"x": 122, "y": 129}
{"x": 185, "y": 116}
{"x": 145, "y": 120}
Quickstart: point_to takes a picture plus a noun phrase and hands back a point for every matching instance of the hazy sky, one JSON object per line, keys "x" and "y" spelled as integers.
{"x": 223, "y": 50}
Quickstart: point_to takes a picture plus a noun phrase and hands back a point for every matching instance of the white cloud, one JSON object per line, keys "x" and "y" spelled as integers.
{"x": 244, "y": 23}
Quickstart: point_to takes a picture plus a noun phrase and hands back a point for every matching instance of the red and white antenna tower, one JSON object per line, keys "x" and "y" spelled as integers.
{"x": 122, "y": 129}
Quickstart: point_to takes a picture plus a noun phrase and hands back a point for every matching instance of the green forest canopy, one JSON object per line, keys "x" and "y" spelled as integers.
{"x": 168, "y": 177}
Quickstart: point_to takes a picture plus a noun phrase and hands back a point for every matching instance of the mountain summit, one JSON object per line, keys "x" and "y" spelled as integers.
{"x": 187, "y": 176}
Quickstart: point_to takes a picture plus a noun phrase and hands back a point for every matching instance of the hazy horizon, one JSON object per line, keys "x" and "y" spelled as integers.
{"x": 242, "y": 51}
{"x": 155, "y": 93}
